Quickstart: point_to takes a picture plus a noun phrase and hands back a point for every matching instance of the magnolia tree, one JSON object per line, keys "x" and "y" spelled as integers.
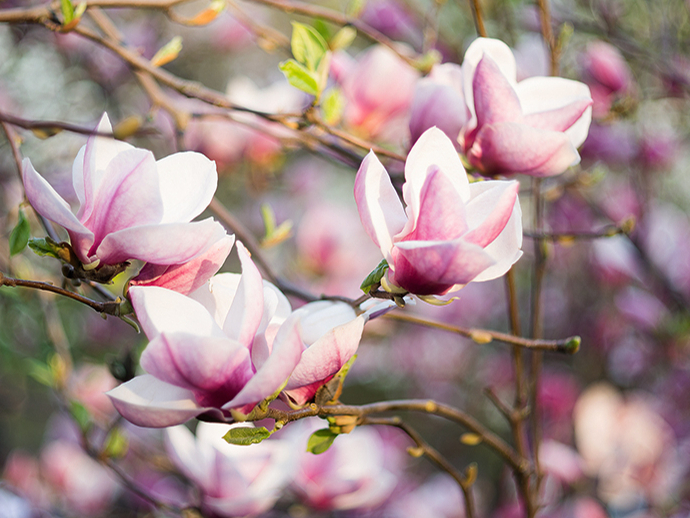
{"x": 354, "y": 283}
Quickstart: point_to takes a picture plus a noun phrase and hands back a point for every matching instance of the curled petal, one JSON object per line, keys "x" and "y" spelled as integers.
{"x": 147, "y": 401}
{"x": 508, "y": 148}
{"x": 489, "y": 212}
{"x": 244, "y": 315}
{"x": 187, "y": 183}
{"x": 430, "y": 268}
{"x": 171, "y": 243}
{"x": 379, "y": 207}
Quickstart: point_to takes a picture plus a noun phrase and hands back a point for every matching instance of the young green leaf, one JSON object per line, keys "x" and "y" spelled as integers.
{"x": 332, "y": 106}
{"x": 168, "y": 52}
{"x": 308, "y": 46}
{"x": 19, "y": 237}
{"x": 320, "y": 441}
{"x": 244, "y": 436}
{"x": 116, "y": 444}
{"x": 374, "y": 277}
{"x": 299, "y": 77}
{"x": 343, "y": 38}
{"x": 67, "y": 11}
{"x": 45, "y": 247}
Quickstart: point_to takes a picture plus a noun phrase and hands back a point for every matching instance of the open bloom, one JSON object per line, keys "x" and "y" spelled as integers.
{"x": 233, "y": 480}
{"x": 131, "y": 206}
{"x": 531, "y": 127}
{"x": 452, "y": 232}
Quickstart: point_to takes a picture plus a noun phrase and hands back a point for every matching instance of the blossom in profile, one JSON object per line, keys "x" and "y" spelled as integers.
{"x": 131, "y": 206}
{"x": 232, "y": 480}
{"x": 452, "y": 232}
{"x": 608, "y": 75}
{"x": 530, "y": 127}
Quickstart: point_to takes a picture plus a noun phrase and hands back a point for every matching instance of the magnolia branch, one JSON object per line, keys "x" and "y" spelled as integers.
{"x": 568, "y": 345}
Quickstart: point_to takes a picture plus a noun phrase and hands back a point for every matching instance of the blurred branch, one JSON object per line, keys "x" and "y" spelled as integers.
{"x": 476, "y": 7}
{"x": 568, "y": 345}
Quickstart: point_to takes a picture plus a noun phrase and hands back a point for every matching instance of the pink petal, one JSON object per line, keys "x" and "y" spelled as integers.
{"x": 558, "y": 119}
{"x": 187, "y": 277}
{"x": 490, "y": 212}
{"x": 432, "y": 268}
{"x": 159, "y": 310}
{"x": 49, "y": 204}
{"x": 495, "y": 99}
{"x": 286, "y": 352}
{"x": 188, "y": 182}
{"x": 244, "y": 315}
{"x": 150, "y": 402}
{"x": 172, "y": 243}
{"x": 91, "y": 163}
{"x": 433, "y": 148}
{"x": 379, "y": 207}
{"x": 128, "y": 195}
{"x": 215, "y": 369}
{"x": 508, "y": 148}
{"x": 438, "y": 105}
{"x": 441, "y": 211}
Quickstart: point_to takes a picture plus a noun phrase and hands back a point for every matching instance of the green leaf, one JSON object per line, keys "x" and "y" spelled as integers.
{"x": 320, "y": 441}
{"x": 299, "y": 77}
{"x": 168, "y": 52}
{"x": 343, "y": 38}
{"x": 374, "y": 277}
{"x": 308, "y": 46}
{"x": 40, "y": 372}
{"x": 19, "y": 237}
{"x": 45, "y": 247}
{"x": 81, "y": 415}
{"x": 332, "y": 106}
{"x": 67, "y": 10}
{"x": 116, "y": 444}
{"x": 244, "y": 436}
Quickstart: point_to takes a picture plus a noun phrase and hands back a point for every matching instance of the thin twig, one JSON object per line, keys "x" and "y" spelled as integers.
{"x": 476, "y": 7}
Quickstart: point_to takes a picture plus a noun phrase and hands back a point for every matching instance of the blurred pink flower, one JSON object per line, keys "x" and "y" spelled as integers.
{"x": 452, "y": 232}
{"x": 607, "y": 74}
{"x": 88, "y": 386}
{"x": 132, "y": 207}
{"x": 508, "y": 118}
{"x": 233, "y": 480}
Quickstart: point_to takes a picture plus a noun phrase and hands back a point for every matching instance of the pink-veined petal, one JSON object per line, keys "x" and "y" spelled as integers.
{"x": 432, "y": 268}
{"x": 198, "y": 363}
{"x": 489, "y": 212}
{"x": 495, "y": 99}
{"x": 218, "y": 294}
{"x": 188, "y": 181}
{"x": 433, "y": 148}
{"x": 187, "y": 277}
{"x": 127, "y": 196}
{"x": 192, "y": 457}
{"x": 379, "y": 207}
{"x": 244, "y": 315}
{"x": 559, "y": 119}
{"x": 159, "y": 310}
{"x": 285, "y": 354}
{"x": 49, "y": 204}
{"x": 441, "y": 211}
{"x": 547, "y": 93}
{"x": 172, "y": 243}
{"x": 439, "y": 105}
{"x": 508, "y": 148}
{"x": 147, "y": 401}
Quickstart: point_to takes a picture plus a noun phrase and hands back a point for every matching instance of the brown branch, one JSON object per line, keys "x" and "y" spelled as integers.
{"x": 476, "y": 7}
{"x": 568, "y": 345}
{"x": 108, "y": 308}
{"x": 50, "y": 126}
{"x": 608, "y": 231}
{"x": 12, "y": 139}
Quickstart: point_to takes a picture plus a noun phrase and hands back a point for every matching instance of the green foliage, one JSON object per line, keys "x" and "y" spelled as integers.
{"x": 116, "y": 444}
{"x": 309, "y": 70}
{"x": 80, "y": 415}
{"x": 374, "y": 277}
{"x": 332, "y": 106}
{"x": 299, "y": 77}
{"x": 45, "y": 246}
{"x": 343, "y": 38}
{"x": 19, "y": 237}
{"x": 244, "y": 436}
{"x": 320, "y": 441}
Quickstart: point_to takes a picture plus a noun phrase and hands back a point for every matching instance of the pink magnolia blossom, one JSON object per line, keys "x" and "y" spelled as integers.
{"x": 532, "y": 127}
{"x": 607, "y": 74}
{"x": 452, "y": 232}
{"x": 233, "y": 480}
{"x": 131, "y": 206}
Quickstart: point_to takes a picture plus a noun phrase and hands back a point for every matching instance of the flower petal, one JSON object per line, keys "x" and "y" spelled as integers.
{"x": 490, "y": 211}
{"x": 172, "y": 243}
{"x": 440, "y": 105}
{"x": 187, "y": 277}
{"x": 441, "y": 211}
{"x": 147, "y": 401}
{"x": 508, "y": 148}
{"x": 433, "y": 148}
{"x": 379, "y": 207}
{"x": 495, "y": 99}
{"x": 559, "y": 119}
{"x": 432, "y": 268}
{"x": 159, "y": 310}
{"x": 246, "y": 310}
{"x": 188, "y": 181}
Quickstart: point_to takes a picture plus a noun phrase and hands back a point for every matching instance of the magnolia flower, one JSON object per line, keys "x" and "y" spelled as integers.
{"x": 131, "y": 206}
{"x": 229, "y": 345}
{"x": 233, "y": 480}
{"x": 452, "y": 232}
{"x": 531, "y": 127}
{"x": 607, "y": 74}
